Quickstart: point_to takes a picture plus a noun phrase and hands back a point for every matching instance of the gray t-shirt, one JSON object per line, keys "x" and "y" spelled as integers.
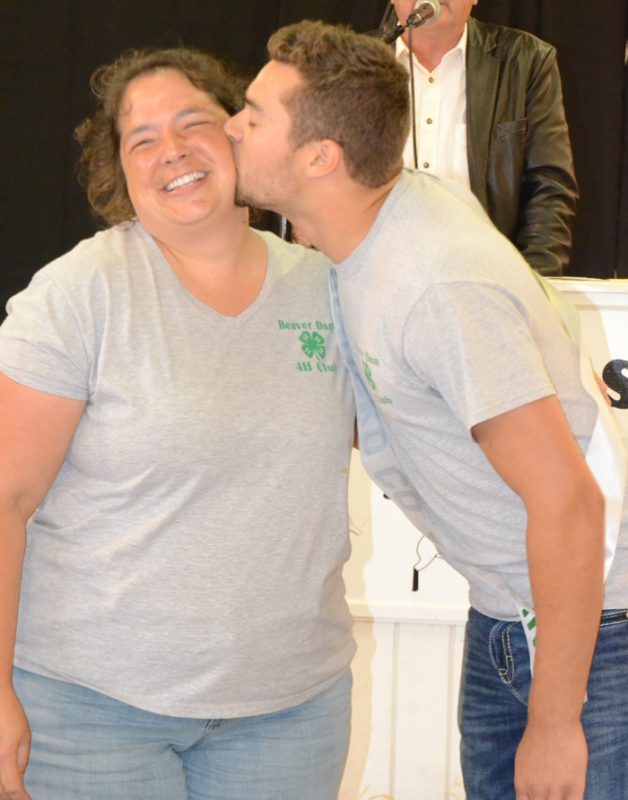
{"x": 449, "y": 328}
{"x": 187, "y": 559}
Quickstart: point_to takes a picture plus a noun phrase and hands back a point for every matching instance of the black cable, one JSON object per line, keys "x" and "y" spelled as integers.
{"x": 412, "y": 101}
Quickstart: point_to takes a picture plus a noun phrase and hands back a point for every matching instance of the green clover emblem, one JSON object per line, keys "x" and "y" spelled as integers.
{"x": 369, "y": 377}
{"x": 313, "y": 345}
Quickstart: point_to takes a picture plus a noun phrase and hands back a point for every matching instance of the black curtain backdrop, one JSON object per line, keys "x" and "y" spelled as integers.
{"x": 49, "y": 48}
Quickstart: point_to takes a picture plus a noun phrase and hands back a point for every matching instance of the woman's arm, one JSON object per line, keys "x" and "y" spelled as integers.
{"x": 35, "y": 432}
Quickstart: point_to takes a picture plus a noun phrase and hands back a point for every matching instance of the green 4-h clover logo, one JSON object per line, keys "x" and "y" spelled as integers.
{"x": 313, "y": 345}
{"x": 369, "y": 377}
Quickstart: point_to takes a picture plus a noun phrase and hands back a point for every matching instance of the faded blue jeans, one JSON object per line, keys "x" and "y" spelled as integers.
{"x": 493, "y": 707}
{"x": 87, "y": 746}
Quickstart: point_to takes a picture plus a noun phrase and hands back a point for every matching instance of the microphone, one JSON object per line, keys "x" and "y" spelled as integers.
{"x": 424, "y": 11}
{"x": 428, "y": 9}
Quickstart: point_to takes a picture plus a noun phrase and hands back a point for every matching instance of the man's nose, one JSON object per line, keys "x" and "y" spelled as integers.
{"x": 232, "y": 128}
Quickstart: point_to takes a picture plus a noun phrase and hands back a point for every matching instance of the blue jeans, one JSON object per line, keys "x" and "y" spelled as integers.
{"x": 493, "y": 707}
{"x": 87, "y": 746}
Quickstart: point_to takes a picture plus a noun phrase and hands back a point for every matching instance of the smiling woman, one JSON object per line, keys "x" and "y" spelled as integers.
{"x": 174, "y": 153}
{"x": 152, "y": 490}
{"x": 100, "y": 169}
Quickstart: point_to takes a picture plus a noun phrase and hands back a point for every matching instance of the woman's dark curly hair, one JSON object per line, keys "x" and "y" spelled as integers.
{"x": 100, "y": 171}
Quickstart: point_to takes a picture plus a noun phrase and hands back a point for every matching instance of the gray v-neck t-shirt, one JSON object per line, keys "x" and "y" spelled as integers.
{"x": 188, "y": 556}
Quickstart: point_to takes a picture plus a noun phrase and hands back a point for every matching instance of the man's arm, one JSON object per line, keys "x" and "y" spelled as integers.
{"x": 35, "y": 431}
{"x": 533, "y": 451}
{"x": 548, "y": 186}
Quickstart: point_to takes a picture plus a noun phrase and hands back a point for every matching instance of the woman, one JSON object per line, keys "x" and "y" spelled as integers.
{"x": 175, "y": 434}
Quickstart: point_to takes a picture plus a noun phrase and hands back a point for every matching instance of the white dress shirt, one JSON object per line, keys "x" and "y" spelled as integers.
{"x": 440, "y": 114}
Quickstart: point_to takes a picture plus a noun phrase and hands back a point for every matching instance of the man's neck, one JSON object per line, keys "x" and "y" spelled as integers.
{"x": 429, "y": 48}
{"x": 341, "y": 223}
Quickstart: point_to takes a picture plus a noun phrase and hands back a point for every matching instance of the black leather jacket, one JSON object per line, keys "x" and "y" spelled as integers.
{"x": 520, "y": 162}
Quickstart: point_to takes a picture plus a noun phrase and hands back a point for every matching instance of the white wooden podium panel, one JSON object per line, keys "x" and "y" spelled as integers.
{"x": 404, "y": 741}
{"x": 386, "y": 548}
{"x": 603, "y": 311}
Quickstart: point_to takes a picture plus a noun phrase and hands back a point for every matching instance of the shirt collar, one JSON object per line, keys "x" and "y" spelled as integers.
{"x": 403, "y": 54}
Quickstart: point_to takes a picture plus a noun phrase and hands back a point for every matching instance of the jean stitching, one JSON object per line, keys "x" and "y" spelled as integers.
{"x": 610, "y": 622}
{"x": 614, "y": 616}
{"x": 507, "y": 648}
{"x": 516, "y": 692}
{"x": 491, "y": 648}
{"x": 507, "y": 674}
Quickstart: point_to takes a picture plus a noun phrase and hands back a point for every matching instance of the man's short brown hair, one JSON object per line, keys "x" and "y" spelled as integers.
{"x": 353, "y": 92}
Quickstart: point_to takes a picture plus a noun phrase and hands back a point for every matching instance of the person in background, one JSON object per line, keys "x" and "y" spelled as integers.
{"x": 175, "y": 435}
{"x": 476, "y": 413}
{"x": 489, "y": 114}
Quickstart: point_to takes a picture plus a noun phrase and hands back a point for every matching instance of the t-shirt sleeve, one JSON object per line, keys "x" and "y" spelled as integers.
{"x": 473, "y": 344}
{"x": 42, "y": 341}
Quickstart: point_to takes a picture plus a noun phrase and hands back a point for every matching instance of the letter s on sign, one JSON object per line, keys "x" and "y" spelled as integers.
{"x": 615, "y": 376}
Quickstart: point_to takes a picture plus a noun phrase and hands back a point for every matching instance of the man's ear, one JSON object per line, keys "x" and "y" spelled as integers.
{"x": 324, "y": 157}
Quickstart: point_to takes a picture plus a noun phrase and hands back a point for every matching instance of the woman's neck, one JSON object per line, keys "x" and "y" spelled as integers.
{"x": 225, "y": 268}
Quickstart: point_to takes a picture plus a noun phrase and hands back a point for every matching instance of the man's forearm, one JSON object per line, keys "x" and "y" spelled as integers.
{"x": 566, "y": 575}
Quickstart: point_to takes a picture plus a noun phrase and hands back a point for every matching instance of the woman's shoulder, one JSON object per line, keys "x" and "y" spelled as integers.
{"x": 93, "y": 275}
{"x": 289, "y": 256}
{"x": 107, "y": 250}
